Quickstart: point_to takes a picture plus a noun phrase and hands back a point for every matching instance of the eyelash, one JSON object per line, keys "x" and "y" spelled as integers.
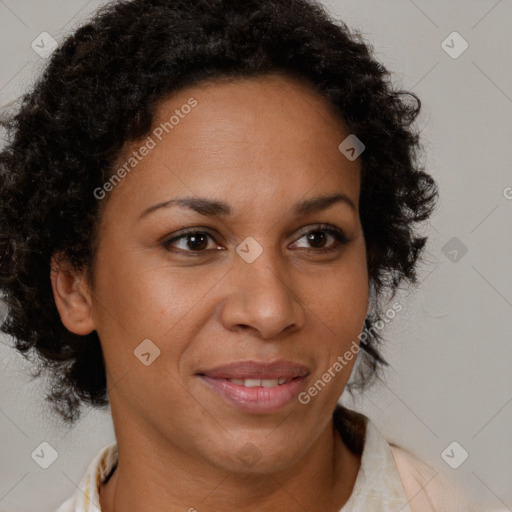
{"x": 337, "y": 233}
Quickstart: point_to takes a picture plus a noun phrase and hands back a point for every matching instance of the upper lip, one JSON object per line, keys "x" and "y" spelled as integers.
{"x": 257, "y": 370}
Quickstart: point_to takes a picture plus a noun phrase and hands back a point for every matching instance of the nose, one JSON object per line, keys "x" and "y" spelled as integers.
{"x": 261, "y": 298}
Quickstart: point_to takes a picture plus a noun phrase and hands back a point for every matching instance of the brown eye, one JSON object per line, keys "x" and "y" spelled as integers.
{"x": 318, "y": 239}
{"x": 190, "y": 241}
{"x": 197, "y": 242}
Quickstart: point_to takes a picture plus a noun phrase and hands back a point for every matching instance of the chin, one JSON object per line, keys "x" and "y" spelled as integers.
{"x": 255, "y": 453}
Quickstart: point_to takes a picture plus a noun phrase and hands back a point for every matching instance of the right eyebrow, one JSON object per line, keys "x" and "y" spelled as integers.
{"x": 202, "y": 205}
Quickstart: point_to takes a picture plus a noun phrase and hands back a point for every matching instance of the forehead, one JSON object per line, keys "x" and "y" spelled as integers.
{"x": 249, "y": 139}
{"x": 252, "y": 110}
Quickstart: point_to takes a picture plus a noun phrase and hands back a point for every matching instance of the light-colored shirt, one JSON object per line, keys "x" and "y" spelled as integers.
{"x": 390, "y": 479}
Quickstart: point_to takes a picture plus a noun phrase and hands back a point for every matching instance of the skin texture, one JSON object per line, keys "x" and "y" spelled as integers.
{"x": 261, "y": 145}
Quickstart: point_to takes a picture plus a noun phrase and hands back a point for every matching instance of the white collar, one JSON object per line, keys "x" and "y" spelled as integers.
{"x": 378, "y": 485}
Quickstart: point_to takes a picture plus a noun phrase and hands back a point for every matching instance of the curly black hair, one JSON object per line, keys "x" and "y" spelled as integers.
{"x": 99, "y": 91}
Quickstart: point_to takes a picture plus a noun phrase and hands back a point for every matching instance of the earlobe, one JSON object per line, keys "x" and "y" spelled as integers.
{"x": 72, "y": 297}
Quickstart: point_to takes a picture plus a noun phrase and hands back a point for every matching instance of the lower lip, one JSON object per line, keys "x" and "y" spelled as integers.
{"x": 256, "y": 400}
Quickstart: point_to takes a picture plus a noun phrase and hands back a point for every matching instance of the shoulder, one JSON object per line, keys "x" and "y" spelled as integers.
{"x": 428, "y": 490}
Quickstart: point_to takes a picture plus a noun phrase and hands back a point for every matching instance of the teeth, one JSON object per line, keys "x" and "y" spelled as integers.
{"x": 266, "y": 383}
{"x": 252, "y": 383}
{"x": 269, "y": 383}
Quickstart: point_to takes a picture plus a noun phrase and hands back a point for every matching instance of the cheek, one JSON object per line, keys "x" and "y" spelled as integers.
{"x": 340, "y": 298}
{"x": 135, "y": 301}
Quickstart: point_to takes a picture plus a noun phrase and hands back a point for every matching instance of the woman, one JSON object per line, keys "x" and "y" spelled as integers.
{"x": 199, "y": 200}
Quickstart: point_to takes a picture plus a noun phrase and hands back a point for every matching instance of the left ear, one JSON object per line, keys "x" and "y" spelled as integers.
{"x": 72, "y": 296}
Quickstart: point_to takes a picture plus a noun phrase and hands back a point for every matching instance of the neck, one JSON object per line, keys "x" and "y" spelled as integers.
{"x": 152, "y": 476}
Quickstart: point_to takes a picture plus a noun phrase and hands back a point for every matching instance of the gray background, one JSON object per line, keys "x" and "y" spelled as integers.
{"x": 450, "y": 347}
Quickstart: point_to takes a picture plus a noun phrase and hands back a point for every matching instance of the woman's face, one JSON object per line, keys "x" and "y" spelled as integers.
{"x": 255, "y": 284}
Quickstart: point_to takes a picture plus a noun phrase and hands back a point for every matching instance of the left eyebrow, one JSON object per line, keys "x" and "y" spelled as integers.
{"x": 210, "y": 207}
{"x": 321, "y": 203}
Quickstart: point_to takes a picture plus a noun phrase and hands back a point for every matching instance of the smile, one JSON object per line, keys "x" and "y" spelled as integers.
{"x": 256, "y": 396}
